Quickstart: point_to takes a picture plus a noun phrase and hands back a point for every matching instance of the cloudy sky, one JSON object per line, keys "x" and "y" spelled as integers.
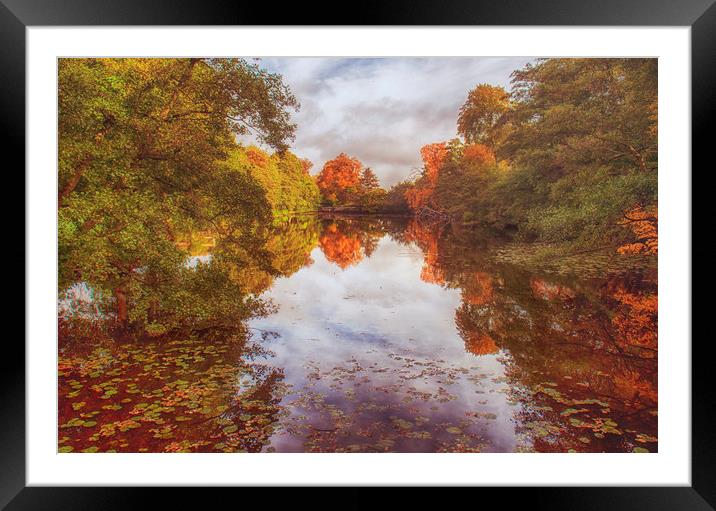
{"x": 382, "y": 110}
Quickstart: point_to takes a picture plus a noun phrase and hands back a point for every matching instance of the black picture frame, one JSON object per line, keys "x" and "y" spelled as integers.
{"x": 17, "y": 15}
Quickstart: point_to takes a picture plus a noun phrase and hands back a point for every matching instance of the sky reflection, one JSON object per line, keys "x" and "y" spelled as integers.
{"x": 395, "y": 336}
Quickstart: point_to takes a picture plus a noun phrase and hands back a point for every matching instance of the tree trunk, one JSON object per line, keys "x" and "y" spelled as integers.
{"x": 120, "y": 294}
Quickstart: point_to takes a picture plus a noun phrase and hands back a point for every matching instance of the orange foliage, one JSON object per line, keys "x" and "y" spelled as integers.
{"x": 431, "y": 272}
{"x": 340, "y": 177}
{"x": 633, "y": 386}
{"x": 340, "y": 248}
{"x": 636, "y": 319}
{"x": 549, "y": 291}
{"x": 479, "y": 153}
{"x": 476, "y": 340}
{"x": 479, "y": 289}
{"x": 256, "y": 156}
{"x": 644, "y": 224}
{"x": 480, "y": 344}
{"x": 428, "y": 243}
{"x": 433, "y": 157}
{"x": 419, "y": 196}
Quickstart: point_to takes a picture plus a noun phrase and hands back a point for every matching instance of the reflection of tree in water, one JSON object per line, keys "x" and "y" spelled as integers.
{"x": 194, "y": 386}
{"x": 581, "y": 355}
{"x": 286, "y": 249}
{"x": 476, "y": 342}
{"x": 340, "y": 247}
{"x": 583, "y": 377}
{"x": 345, "y": 241}
{"x": 427, "y": 240}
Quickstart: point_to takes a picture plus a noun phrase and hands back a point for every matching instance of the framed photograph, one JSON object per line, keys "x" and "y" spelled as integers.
{"x": 429, "y": 246}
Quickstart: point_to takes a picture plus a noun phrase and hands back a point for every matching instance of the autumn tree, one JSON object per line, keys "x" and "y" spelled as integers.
{"x": 478, "y": 154}
{"x": 481, "y": 113}
{"x": 433, "y": 156}
{"x": 569, "y": 156}
{"x": 282, "y": 176}
{"x": 368, "y": 181}
{"x": 583, "y": 145}
{"x": 395, "y": 197}
{"x": 340, "y": 179}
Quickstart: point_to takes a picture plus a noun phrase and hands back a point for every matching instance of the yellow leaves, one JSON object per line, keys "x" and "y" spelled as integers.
{"x": 479, "y": 114}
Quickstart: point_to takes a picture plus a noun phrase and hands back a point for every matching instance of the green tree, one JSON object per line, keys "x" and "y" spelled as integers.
{"x": 575, "y": 146}
{"x": 583, "y": 145}
{"x": 141, "y": 146}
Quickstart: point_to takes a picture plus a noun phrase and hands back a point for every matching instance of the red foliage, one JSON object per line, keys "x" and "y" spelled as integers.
{"x": 419, "y": 196}
{"x": 433, "y": 156}
{"x": 636, "y": 319}
{"x": 480, "y": 344}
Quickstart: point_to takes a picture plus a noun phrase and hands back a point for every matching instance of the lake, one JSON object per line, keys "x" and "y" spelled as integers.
{"x": 384, "y": 334}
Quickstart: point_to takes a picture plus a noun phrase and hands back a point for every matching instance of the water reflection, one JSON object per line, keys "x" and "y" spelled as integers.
{"x": 386, "y": 335}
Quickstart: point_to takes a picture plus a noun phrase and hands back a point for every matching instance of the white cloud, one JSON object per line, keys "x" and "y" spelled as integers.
{"x": 382, "y": 110}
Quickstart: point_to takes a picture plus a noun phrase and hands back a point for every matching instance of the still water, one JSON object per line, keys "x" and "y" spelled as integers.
{"x": 385, "y": 335}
